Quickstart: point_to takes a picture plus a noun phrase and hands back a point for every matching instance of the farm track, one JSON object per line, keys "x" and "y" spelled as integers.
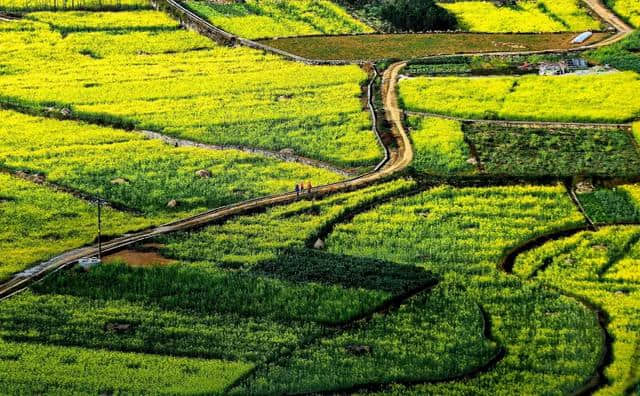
{"x": 398, "y": 155}
{"x": 396, "y": 161}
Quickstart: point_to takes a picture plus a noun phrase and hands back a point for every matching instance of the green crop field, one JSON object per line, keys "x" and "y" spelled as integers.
{"x": 560, "y": 152}
{"x": 140, "y": 174}
{"x": 527, "y": 16}
{"x": 572, "y": 98}
{"x": 461, "y": 229}
{"x": 256, "y": 19}
{"x": 623, "y": 55}
{"x": 461, "y": 234}
{"x": 137, "y": 69}
{"x": 440, "y": 147}
{"x": 449, "y": 147}
{"x": 603, "y": 268}
{"x": 37, "y": 223}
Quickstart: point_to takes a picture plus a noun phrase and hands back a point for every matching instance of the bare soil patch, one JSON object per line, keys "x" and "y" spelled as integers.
{"x": 147, "y": 256}
{"x": 406, "y": 46}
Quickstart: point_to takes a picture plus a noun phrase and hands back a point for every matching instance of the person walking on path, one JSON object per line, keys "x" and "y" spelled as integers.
{"x": 309, "y": 187}
{"x": 297, "y": 190}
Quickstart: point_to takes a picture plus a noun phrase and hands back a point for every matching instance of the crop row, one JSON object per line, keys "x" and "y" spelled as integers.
{"x": 603, "y": 267}
{"x": 52, "y": 370}
{"x": 255, "y": 19}
{"x": 179, "y": 83}
{"x": 199, "y": 310}
{"x": 527, "y": 16}
{"x": 125, "y": 168}
{"x": 37, "y": 223}
{"x": 85, "y": 21}
{"x": 250, "y": 240}
{"x": 552, "y": 342}
{"x": 95, "y": 5}
{"x": 559, "y": 152}
{"x": 590, "y": 98}
{"x": 439, "y": 146}
{"x": 436, "y": 335}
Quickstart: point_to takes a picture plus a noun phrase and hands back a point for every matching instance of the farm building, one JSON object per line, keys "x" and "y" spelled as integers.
{"x": 562, "y": 67}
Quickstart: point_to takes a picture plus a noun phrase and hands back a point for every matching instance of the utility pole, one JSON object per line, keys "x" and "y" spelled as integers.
{"x": 99, "y": 229}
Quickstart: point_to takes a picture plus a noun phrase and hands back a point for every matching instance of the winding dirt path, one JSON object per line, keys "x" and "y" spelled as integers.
{"x": 399, "y": 157}
{"x": 608, "y": 16}
{"x": 204, "y": 27}
{"x": 399, "y": 152}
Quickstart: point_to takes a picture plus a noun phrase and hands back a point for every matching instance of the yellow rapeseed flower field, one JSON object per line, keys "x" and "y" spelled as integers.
{"x": 589, "y": 98}
{"x": 528, "y": 16}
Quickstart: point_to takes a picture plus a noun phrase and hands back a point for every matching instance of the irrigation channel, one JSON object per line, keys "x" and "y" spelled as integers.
{"x": 398, "y": 156}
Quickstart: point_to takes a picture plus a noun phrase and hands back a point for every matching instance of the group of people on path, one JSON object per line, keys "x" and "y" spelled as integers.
{"x": 300, "y": 188}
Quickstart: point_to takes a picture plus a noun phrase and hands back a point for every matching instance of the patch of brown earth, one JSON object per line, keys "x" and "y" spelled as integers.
{"x": 149, "y": 257}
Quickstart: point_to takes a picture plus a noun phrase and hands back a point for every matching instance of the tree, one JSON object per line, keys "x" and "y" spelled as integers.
{"x": 417, "y": 15}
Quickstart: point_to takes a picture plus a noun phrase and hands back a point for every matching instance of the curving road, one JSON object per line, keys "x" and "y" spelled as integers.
{"x": 397, "y": 158}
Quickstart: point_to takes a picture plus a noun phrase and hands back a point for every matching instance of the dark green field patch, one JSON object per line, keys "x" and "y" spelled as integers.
{"x": 610, "y": 206}
{"x": 554, "y": 152}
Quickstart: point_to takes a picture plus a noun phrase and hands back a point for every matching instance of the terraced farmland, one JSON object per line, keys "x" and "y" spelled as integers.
{"x": 275, "y": 225}
{"x": 527, "y": 16}
{"x": 116, "y": 68}
{"x": 265, "y": 19}
{"x": 571, "y": 98}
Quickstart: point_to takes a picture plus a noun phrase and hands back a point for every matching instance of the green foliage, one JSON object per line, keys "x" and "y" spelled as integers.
{"x": 610, "y": 206}
{"x": 37, "y": 223}
{"x": 603, "y": 268}
{"x": 556, "y": 152}
{"x": 89, "y": 5}
{"x": 436, "y": 69}
{"x": 50, "y": 370}
{"x": 417, "y": 15}
{"x": 198, "y": 310}
{"x": 438, "y": 334}
{"x": 203, "y": 288}
{"x": 255, "y": 19}
{"x": 590, "y": 98}
{"x": 90, "y": 159}
{"x": 155, "y": 79}
{"x": 66, "y": 320}
{"x": 439, "y": 146}
{"x": 351, "y": 272}
{"x": 551, "y": 341}
{"x": 622, "y": 55}
{"x": 480, "y": 64}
